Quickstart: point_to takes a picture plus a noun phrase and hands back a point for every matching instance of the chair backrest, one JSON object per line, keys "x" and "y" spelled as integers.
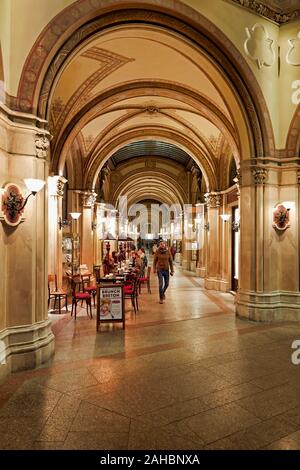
{"x": 85, "y": 279}
{"x": 52, "y": 279}
{"x": 76, "y": 283}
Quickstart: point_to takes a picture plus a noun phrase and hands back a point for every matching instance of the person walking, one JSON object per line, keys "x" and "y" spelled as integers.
{"x": 163, "y": 264}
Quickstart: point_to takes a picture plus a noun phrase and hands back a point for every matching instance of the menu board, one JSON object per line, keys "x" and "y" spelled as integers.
{"x": 110, "y": 304}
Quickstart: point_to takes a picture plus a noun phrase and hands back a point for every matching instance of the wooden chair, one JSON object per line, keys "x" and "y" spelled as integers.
{"x": 131, "y": 290}
{"x": 97, "y": 273}
{"x": 78, "y": 296}
{"x": 56, "y": 294}
{"x": 146, "y": 280}
{"x": 88, "y": 286}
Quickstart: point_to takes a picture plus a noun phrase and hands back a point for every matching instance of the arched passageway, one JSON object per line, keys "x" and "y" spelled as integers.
{"x": 180, "y": 93}
{"x": 153, "y": 102}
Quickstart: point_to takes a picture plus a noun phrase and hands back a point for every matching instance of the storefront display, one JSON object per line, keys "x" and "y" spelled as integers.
{"x": 71, "y": 254}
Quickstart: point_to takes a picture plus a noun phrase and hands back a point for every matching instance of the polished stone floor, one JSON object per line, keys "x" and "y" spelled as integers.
{"x": 184, "y": 375}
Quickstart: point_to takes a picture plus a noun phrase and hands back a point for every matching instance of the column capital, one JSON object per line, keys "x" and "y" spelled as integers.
{"x": 260, "y": 175}
{"x": 56, "y": 185}
{"x": 213, "y": 199}
{"x": 42, "y": 142}
{"x": 88, "y": 198}
{"x": 238, "y": 181}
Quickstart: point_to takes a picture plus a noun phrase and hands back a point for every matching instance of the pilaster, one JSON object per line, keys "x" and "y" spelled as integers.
{"x": 88, "y": 199}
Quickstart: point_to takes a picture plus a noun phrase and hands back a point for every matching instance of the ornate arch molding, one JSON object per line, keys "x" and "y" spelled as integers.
{"x": 161, "y": 191}
{"x": 134, "y": 135}
{"x": 83, "y": 18}
{"x": 158, "y": 174}
{"x": 141, "y": 88}
{"x": 293, "y": 137}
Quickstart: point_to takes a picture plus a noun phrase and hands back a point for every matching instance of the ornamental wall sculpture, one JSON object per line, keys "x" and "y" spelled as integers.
{"x": 259, "y": 46}
{"x": 293, "y": 54}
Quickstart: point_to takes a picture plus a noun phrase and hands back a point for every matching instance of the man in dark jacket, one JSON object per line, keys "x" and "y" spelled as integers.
{"x": 162, "y": 264}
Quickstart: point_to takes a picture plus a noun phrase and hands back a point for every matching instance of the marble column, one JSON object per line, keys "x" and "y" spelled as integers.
{"x": 25, "y": 330}
{"x": 269, "y": 258}
{"x": 98, "y": 232}
{"x": 88, "y": 199}
{"x": 201, "y": 240}
{"x": 213, "y": 202}
{"x": 55, "y": 192}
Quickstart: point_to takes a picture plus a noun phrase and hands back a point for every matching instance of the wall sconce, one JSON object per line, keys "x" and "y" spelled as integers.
{"x": 225, "y": 217}
{"x": 235, "y": 225}
{"x": 64, "y": 222}
{"x": 75, "y": 215}
{"x": 281, "y": 216}
{"x": 201, "y": 224}
{"x": 13, "y": 203}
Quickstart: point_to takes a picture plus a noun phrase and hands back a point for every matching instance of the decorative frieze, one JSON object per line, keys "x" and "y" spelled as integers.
{"x": 277, "y": 15}
{"x": 260, "y": 175}
{"x": 88, "y": 198}
{"x": 42, "y": 143}
{"x": 213, "y": 200}
{"x": 152, "y": 110}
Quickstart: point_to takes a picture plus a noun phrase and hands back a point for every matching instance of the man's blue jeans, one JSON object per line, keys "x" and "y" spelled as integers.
{"x": 163, "y": 280}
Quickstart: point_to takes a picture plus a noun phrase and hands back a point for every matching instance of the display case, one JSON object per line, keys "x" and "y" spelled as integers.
{"x": 71, "y": 254}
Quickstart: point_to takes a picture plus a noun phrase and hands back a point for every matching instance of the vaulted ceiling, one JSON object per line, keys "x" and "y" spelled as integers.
{"x": 138, "y": 89}
{"x": 154, "y": 148}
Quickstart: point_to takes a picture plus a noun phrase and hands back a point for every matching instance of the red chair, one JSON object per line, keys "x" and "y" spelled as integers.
{"x": 131, "y": 288}
{"x": 56, "y": 294}
{"x": 78, "y": 296}
{"x": 146, "y": 280}
{"x": 87, "y": 286}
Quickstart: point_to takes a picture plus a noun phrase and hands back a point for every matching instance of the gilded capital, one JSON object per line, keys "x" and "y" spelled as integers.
{"x": 213, "y": 200}
{"x": 88, "y": 198}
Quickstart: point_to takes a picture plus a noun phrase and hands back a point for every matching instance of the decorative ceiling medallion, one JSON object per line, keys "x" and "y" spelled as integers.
{"x": 259, "y": 46}
{"x": 11, "y": 205}
{"x": 281, "y": 217}
{"x": 293, "y": 54}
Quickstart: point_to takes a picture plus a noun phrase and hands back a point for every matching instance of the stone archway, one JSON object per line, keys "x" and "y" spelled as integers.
{"x": 254, "y": 131}
{"x": 84, "y": 18}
